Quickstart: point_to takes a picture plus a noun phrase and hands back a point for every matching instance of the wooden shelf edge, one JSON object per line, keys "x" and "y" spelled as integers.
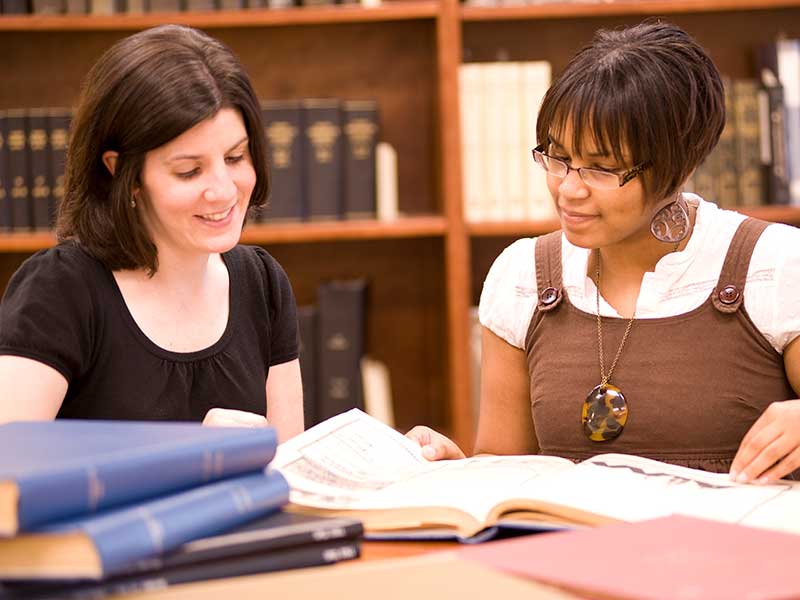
{"x": 775, "y": 214}
{"x": 281, "y": 233}
{"x": 329, "y": 231}
{"x": 512, "y": 228}
{"x": 391, "y": 11}
{"x": 557, "y": 10}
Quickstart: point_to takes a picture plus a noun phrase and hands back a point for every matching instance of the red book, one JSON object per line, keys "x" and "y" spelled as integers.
{"x": 670, "y": 558}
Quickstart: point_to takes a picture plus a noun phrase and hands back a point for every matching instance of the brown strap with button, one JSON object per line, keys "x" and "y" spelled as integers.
{"x": 729, "y": 292}
{"x": 548, "y": 270}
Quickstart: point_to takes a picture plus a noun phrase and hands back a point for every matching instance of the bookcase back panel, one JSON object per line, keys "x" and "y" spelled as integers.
{"x": 393, "y": 63}
{"x": 405, "y": 312}
{"x": 730, "y": 37}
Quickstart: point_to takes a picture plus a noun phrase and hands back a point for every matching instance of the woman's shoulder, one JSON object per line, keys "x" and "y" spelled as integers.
{"x": 61, "y": 265}
{"x": 256, "y": 259}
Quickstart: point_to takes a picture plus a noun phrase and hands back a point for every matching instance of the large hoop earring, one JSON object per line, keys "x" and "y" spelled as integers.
{"x": 671, "y": 224}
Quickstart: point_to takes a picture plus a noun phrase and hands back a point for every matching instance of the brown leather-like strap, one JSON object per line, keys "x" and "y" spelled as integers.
{"x": 548, "y": 270}
{"x": 729, "y": 292}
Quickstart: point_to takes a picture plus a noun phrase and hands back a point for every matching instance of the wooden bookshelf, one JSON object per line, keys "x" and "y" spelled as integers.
{"x": 426, "y": 269}
{"x": 625, "y": 8}
{"x": 318, "y": 15}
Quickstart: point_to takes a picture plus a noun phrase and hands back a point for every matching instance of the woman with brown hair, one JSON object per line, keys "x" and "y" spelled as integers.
{"x": 654, "y": 323}
{"x": 148, "y": 308}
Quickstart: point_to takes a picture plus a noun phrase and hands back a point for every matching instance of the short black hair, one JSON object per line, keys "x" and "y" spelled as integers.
{"x": 650, "y": 89}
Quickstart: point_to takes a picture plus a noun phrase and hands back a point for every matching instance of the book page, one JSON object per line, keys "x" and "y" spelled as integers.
{"x": 354, "y": 462}
{"x": 632, "y": 488}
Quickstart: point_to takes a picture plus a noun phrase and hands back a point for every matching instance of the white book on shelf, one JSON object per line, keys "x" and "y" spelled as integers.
{"x": 512, "y": 208}
{"x": 535, "y": 82}
{"x": 386, "y": 182}
{"x": 789, "y": 75}
{"x": 496, "y": 172}
{"x": 473, "y": 121}
{"x": 377, "y": 387}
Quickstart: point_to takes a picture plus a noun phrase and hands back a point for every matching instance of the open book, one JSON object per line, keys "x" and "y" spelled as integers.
{"x": 354, "y": 465}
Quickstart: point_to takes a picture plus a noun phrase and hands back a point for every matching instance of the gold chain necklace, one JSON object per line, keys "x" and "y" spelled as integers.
{"x": 605, "y": 410}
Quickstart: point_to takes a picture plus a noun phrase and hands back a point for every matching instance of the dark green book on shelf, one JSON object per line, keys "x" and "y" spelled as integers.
{"x": 323, "y": 158}
{"x": 341, "y": 306}
{"x": 17, "y": 165}
{"x": 39, "y": 172}
{"x": 283, "y": 125}
{"x": 53, "y": 470}
{"x": 5, "y": 199}
{"x": 59, "y": 139}
{"x": 360, "y": 139}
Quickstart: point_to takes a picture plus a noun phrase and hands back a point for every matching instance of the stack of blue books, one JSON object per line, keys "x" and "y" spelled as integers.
{"x": 95, "y": 507}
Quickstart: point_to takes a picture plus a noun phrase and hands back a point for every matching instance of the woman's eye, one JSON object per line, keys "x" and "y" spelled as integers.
{"x": 234, "y": 159}
{"x": 188, "y": 174}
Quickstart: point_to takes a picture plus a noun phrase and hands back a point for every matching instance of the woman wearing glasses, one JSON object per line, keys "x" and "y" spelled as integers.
{"x": 653, "y": 323}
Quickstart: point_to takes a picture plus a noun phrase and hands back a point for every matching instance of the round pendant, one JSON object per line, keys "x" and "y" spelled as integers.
{"x": 604, "y": 413}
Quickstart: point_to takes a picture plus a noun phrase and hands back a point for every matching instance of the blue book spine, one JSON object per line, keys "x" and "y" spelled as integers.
{"x": 127, "y": 535}
{"x": 94, "y": 484}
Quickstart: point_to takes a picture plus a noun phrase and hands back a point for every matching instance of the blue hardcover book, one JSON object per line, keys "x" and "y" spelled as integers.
{"x": 51, "y": 470}
{"x": 110, "y": 543}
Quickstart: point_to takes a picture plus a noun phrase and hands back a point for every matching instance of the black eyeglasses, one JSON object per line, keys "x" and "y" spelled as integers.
{"x": 596, "y": 178}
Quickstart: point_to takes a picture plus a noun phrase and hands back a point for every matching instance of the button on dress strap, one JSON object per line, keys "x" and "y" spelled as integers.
{"x": 548, "y": 270}
{"x": 729, "y": 291}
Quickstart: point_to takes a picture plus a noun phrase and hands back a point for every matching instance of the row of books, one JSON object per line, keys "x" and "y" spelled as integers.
{"x": 322, "y": 159}
{"x": 750, "y": 165}
{"x": 110, "y": 7}
{"x": 321, "y": 156}
{"x": 499, "y": 106}
{"x": 99, "y": 507}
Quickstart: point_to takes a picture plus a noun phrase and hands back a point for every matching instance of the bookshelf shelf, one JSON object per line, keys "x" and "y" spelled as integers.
{"x": 576, "y": 10}
{"x": 395, "y": 11}
{"x": 291, "y": 233}
{"x": 281, "y": 233}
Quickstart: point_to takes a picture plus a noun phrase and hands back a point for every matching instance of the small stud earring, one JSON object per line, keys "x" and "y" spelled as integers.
{"x": 133, "y": 203}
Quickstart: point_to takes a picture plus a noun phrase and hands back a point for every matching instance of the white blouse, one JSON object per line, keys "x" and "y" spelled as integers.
{"x": 680, "y": 282}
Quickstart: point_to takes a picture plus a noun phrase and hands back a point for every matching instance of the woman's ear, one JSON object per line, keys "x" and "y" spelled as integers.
{"x": 110, "y": 160}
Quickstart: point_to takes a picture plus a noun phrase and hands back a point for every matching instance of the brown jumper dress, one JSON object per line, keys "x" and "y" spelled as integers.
{"x": 694, "y": 383}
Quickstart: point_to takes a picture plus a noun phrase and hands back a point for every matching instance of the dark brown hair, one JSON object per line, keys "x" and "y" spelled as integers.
{"x": 648, "y": 89}
{"x": 143, "y": 92}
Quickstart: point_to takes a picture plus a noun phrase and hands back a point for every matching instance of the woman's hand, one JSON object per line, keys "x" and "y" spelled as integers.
{"x": 771, "y": 448}
{"x": 227, "y": 417}
{"x": 435, "y": 446}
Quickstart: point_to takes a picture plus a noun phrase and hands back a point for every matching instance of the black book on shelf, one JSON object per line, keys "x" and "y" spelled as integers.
{"x": 278, "y": 542}
{"x": 16, "y": 7}
{"x": 341, "y": 306}
{"x": 17, "y": 164}
{"x": 307, "y": 330}
{"x": 39, "y": 171}
{"x": 5, "y": 198}
{"x": 360, "y": 139}
{"x": 323, "y": 158}
{"x": 59, "y": 139}
{"x": 776, "y": 169}
{"x": 283, "y": 126}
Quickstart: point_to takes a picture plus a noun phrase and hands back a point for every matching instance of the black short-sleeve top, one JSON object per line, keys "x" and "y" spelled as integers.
{"x": 63, "y": 308}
